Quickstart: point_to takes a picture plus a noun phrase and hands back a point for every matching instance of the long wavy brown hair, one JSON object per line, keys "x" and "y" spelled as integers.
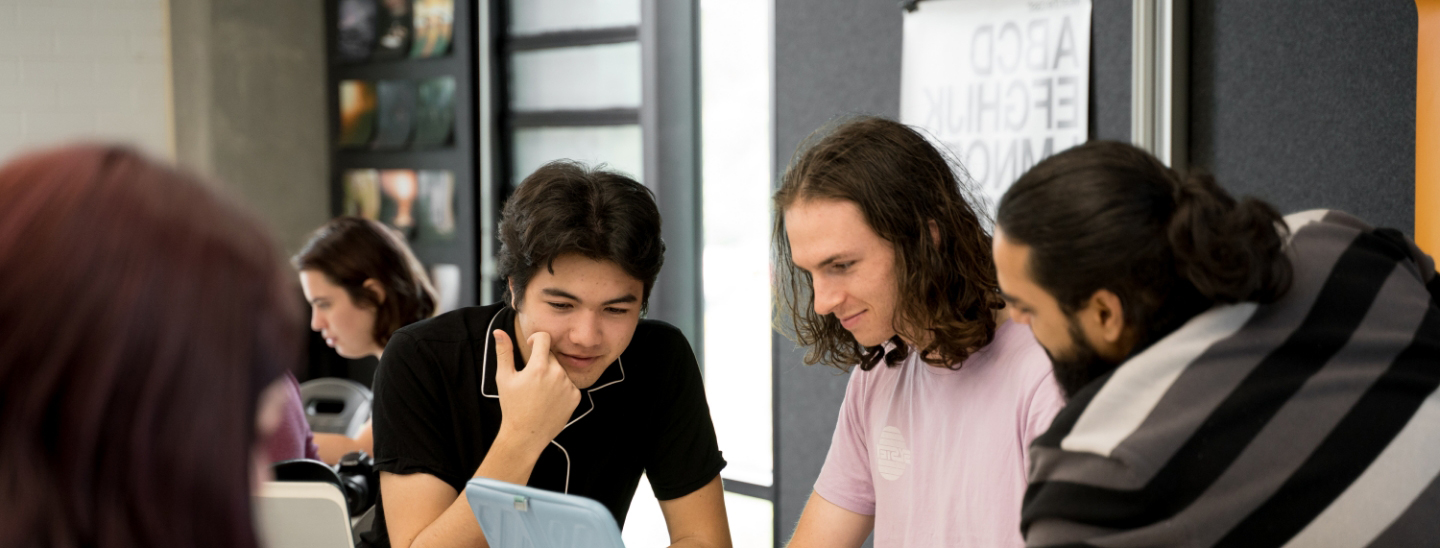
{"x": 946, "y": 294}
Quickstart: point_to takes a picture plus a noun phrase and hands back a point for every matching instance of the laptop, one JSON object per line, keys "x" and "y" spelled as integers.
{"x": 516, "y": 516}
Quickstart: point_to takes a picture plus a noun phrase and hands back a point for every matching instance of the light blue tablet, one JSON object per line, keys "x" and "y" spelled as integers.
{"x": 516, "y": 516}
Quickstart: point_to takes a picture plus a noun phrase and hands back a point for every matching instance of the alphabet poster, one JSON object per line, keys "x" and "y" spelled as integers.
{"x": 1001, "y": 83}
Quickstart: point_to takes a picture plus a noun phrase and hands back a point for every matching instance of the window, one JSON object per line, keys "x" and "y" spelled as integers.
{"x": 565, "y": 82}
{"x": 573, "y": 89}
{"x": 735, "y": 160}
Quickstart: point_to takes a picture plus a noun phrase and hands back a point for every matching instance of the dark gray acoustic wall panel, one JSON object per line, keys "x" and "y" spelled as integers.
{"x": 832, "y": 57}
{"x": 1308, "y": 104}
{"x": 1110, "y": 70}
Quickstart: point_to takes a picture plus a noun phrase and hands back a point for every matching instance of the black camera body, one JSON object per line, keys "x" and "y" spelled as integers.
{"x": 355, "y": 477}
{"x": 358, "y": 480}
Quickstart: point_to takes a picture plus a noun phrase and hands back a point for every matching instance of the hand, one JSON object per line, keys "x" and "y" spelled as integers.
{"x": 535, "y": 403}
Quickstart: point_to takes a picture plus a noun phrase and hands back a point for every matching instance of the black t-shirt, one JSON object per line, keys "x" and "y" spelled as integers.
{"x": 437, "y": 412}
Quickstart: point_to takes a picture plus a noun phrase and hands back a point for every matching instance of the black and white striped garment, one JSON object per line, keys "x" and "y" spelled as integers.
{"x": 1310, "y": 421}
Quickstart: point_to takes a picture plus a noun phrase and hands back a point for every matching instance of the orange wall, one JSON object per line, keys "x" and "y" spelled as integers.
{"x": 1427, "y": 129}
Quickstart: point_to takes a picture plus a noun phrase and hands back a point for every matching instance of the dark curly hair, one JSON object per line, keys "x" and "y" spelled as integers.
{"x": 902, "y": 185}
{"x": 566, "y": 207}
{"x": 1108, "y": 215}
{"x": 350, "y": 250}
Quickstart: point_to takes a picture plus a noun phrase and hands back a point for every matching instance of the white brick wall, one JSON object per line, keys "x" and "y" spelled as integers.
{"x": 84, "y": 69}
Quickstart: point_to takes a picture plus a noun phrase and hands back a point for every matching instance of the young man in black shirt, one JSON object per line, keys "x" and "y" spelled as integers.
{"x": 561, "y": 387}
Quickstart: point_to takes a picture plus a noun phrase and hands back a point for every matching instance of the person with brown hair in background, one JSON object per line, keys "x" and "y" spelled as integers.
{"x": 145, "y": 324}
{"x": 362, "y": 283}
{"x": 884, "y": 265}
{"x": 1235, "y": 378}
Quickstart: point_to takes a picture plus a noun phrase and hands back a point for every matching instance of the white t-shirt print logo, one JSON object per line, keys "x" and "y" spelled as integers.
{"x": 892, "y": 453}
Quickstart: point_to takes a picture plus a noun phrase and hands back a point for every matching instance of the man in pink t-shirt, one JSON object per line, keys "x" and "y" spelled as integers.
{"x": 884, "y": 265}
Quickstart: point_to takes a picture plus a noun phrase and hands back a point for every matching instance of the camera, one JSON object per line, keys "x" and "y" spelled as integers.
{"x": 358, "y": 480}
{"x": 355, "y": 477}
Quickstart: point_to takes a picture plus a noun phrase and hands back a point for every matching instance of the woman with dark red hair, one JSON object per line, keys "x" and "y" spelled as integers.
{"x": 144, "y": 322}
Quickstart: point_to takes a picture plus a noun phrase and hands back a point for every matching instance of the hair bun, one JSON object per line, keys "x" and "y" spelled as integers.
{"x": 1230, "y": 250}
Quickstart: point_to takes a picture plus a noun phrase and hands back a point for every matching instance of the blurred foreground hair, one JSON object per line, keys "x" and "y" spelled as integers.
{"x": 141, "y": 316}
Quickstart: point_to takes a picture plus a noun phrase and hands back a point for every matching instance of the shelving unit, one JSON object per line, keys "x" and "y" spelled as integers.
{"x": 460, "y": 157}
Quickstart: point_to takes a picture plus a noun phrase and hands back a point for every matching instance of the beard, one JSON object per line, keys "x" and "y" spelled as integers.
{"x": 1079, "y": 365}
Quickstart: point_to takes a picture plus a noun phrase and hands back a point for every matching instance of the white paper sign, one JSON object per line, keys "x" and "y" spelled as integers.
{"x": 1001, "y": 83}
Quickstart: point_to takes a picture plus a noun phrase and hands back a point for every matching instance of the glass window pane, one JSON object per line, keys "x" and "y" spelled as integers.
{"x": 735, "y": 111}
{"x": 618, "y": 147}
{"x": 537, "y": 16}
{"x": 576, "y": 78}
{"x": 752, "y": 521}
{"x": 644, "y": 524}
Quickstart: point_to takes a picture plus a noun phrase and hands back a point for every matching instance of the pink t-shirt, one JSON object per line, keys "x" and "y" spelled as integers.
{"x": 940, "y": 456}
